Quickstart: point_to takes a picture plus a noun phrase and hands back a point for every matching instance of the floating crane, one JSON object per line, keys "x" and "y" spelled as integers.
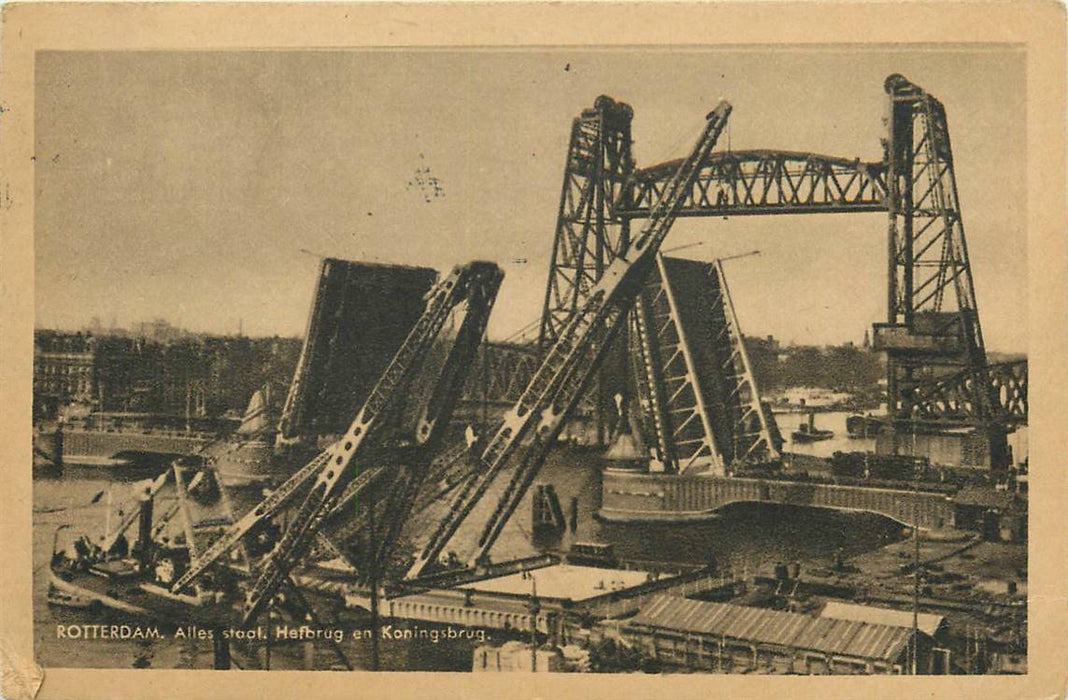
{"x": 543, "y": 407}
{"x": 337, "y": 476}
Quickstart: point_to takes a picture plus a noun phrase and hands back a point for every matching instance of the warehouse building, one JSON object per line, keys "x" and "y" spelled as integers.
{"x": 739, "y": 639}
{"x": 929, "y": 624}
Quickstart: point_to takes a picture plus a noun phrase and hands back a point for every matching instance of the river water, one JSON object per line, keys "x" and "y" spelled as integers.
{"x": 744, "y": 538}
{"x": 841, "y": 442}
{"x": 834, "y": 421}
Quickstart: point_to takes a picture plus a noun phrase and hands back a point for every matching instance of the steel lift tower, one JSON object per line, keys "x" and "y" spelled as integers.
{"x": 937, "y": 368}
{"x": 696, "y": 389}
{"x": 932, "y": 324}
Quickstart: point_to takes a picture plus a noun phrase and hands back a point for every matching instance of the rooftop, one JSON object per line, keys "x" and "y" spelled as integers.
{"x": 928, "y": 623}
{"x": 760, "y": 626}
{"x": 562, "y": 581}
{"x": 986, "y": 497}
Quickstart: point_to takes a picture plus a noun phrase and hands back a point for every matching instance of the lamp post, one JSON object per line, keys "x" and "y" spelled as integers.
{"x": 535, "y": 607}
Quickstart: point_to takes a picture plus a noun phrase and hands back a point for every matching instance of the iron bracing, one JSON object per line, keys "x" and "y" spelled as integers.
{"x": 930, "y": 293}
{"x": 699, "y": 397}
{"x": 341, "y": 473}
{"x": 950, "y": 397}
{"x": 566, "y": 369}
{"x": 589, "y": 231}
{"x": 933, "y": 327}
{"x": 476, "y": 286}
{"x": 738, "y": 183}
{"x": 501, "y": 373}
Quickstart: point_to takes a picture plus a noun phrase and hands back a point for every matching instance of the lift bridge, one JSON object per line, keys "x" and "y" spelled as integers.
{"x": 937, "y": 369}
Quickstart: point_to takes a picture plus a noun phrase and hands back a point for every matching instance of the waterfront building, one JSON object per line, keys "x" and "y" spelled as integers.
{"x": 930, "y": 624}
{"x": 63, "y": 366}
{"x": 188, "y": 376}
{"x": 738, "y": 639}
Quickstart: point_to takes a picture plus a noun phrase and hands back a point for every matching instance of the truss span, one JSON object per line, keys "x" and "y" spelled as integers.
{"x": 502, "y": 371}
{"x": 951, "y": 397}
{"x": 767, "y": 182}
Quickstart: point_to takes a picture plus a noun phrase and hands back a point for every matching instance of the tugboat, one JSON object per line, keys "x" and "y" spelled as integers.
{"x": 808, "y": 432}
{"x": 106, "y": 572}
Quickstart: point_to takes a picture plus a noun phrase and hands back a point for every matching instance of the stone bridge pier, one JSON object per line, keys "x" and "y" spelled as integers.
{"x": 637, "y": 497}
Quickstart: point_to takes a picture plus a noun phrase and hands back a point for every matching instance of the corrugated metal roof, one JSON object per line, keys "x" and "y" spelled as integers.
{"x": 823, "y": 635}
{"x": 879, "y": 641}
{"x": 928, "y": 622}
{"x": 827, "y": 635}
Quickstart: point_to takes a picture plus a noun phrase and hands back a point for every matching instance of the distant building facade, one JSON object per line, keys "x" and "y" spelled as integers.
{"x": 187, "y": 375}
{"x": 63, "y": 366}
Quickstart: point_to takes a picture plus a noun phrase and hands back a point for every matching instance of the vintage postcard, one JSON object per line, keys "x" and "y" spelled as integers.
{"x": 645, "y": 348}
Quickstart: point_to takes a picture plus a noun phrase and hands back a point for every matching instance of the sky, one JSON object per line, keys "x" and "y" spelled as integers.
{"x": 200, "y": 187}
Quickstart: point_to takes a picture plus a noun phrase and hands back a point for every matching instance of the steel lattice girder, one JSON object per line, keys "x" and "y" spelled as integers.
{"x": 502, "y": 371}
{"x": 728, "y": 183}
{"x": 951, "y": 397}
{"x": 767, "y": 182}
{"x": 675, "y": 376}
{"x": 699, "y": 388}
{"x": 589, "y": 233}
{"x": 915, "y": 183}
{"x": 566, "y": 369}
{"x": 928, "y": 256}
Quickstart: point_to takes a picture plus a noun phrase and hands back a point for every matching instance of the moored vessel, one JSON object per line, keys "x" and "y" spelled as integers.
{"x": 808, "y": 432}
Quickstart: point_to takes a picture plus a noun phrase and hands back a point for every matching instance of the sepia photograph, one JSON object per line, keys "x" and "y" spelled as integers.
{"x": 662, "y": 360}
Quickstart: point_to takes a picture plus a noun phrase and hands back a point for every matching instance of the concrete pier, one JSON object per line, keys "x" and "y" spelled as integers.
{"x": 637, "y": 497}
{"x": 107, "y": 444}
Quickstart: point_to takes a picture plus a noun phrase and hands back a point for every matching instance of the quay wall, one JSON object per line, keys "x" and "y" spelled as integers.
{"x": 974, "y": 450}
{"x": 629, "y": 496}
{"x": 107, "y": 444}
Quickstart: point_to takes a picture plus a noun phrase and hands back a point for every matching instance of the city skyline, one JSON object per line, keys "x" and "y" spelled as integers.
{"x": 96, "y": 325}
{"x": 785, "y": 343}
{"x": 197, "y": 190}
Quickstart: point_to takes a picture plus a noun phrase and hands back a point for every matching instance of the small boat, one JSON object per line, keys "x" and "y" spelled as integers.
{"x": 808, "y": 432}
{"x": 131, "y": 568}
{"x": 110, "y": 572}
{"x": 591, "y": 554}
{"x": 65, "y": 599}
{"x": 861, "y": 426}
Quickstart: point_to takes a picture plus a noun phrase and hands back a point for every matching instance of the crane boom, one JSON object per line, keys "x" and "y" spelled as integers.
{"x": 150, "y": 492}
{"x": 419, "y": 461}
{"x": 569, "y": 364}
{"x": 264, "y": 510}
{"x": 476, "y": 284}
